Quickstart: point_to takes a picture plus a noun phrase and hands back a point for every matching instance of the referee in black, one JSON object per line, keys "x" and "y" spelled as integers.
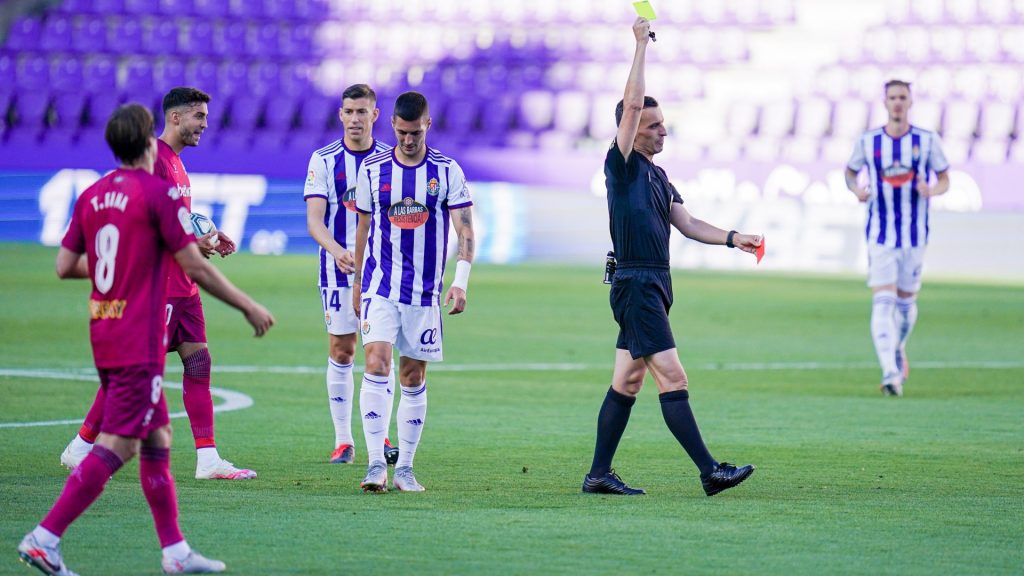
{"x": 642, "y": 205}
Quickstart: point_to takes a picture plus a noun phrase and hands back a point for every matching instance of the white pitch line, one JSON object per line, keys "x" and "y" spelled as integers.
{"x": 232, "y": 400}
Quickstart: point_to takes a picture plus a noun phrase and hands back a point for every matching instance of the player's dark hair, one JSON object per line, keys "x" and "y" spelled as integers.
{"x": 649, "y": 102}
{"x": 184, "y": 96}
{"x": 895, "y": 82}
{"x": 357, "y": 91}
{"x": 128, "y": 132}
{"x": 410, "y": 106}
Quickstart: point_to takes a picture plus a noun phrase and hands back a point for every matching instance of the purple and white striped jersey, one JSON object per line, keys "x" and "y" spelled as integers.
{"x": 408, "y": 242}
{"x": 897, "y": 214}
{"x": 332, "y": 176}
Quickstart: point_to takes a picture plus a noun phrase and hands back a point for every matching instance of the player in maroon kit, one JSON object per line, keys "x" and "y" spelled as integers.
{"x": 185, "y": 116}
{"x": 130, "y": 226}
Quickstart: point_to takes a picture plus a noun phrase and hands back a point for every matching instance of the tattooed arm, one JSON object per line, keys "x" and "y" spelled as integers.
{"x": 462, "y": 218}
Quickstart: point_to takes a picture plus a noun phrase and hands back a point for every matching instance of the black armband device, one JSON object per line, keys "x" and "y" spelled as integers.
{"x": 728, "y": 239}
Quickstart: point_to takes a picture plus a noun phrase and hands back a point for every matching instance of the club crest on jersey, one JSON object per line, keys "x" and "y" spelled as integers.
{"x": 897, "y": 175}
{"x": 311, "y": 178}
{"x": 349, "y": 199}
{"x": 408, "y": 214}
{"x": 433, "y": 187}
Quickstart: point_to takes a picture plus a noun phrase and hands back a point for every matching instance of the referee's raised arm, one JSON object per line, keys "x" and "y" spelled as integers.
{"x": 633, "y": 98}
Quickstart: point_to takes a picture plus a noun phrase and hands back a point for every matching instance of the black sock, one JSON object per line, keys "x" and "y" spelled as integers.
{"x": 675, "y": 407}
{"x": 611, "y": 423}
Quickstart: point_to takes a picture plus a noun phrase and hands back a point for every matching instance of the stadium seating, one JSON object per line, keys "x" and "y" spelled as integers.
{"x": 518, "y": 74}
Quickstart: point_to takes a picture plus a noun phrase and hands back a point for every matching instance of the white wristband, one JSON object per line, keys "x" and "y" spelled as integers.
{"x": 461, "y": 274}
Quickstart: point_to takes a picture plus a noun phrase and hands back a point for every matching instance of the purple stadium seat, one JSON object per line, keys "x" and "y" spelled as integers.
{"x": 100, "y": 74}
{"x": 101, "y": 106}
{"x": 168, "y": 74}
{"x": 138, "y": 78}
{"x": 233, "y": 78}
{"x": 8, "y": 65}
{"x": 66, "y": 74}
{"x": 294, "y": 80}
{"x": 31, "y": 110}
{"x": 89, "y": 35}
{"x": 199, "y": 39}
{"x": 230, "y": 40}
{"x": 245, "y": 9}
{"x": 74, "y": 7}
{"x": 177, "y": 7}
{"x": 56, "y": 36}
{"x": 24, "y": 34}
{"x": 161, "y": 38}
{"x": 245, "y": 114}
{"x": 279, "y": 114}
{"x": 125, "y": 36}
{"x": 211, "y": 8}
{"x": 317, "y": 113}
{"x": 264, "y": 76}
{"x": 460, "y": 116}
{"x": 33, "y": 72}
{"x": 68, "y": 109}
{"x": 297, "y": 40}
{"x": 202, "y": 74}
{"x": 138, "y": 6}
{"x": 234, "y": 141}
{"x": 107, "y": 7}
{"x": 278, "y": 9}
{"x": 263, "y": 41}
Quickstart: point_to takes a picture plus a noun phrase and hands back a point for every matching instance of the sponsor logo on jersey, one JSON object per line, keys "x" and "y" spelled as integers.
{"x": 349, "y": 199}
{"x": 107, "y": 309}
{"x": 408, "y": 214}
{"x": 385, "y": 187}
{"x": 897, "y": 175}
{"x": 433, "y": 187}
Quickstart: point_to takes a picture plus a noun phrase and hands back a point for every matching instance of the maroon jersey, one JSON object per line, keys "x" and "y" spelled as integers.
{"x": 129, "y": 224}
{"x": 169, "y": 167}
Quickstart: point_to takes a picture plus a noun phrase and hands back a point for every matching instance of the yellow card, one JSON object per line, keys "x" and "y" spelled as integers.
{"x": 644, "y": 9}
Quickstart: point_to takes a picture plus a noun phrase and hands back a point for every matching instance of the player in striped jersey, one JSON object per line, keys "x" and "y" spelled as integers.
{"x": 899, "y": 158}
{"x": 406, "y": 198}
{"x": 331, "y": 218}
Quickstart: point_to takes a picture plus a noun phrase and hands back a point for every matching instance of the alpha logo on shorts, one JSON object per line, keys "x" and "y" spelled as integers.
{"x": 408, "y": 214}
{"x": 349, "y": 199}
{"x": 366, "y": 327}
{"x": 429, "y": 336}
{"x": 897, "y": 175}
{"x": 433, "y": 187}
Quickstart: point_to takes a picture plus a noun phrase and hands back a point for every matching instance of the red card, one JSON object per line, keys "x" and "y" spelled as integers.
{"x": 760, "y": 251}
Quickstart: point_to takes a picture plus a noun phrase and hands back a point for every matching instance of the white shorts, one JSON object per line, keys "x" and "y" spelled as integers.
{"x": 414, "y": 330}
{"x": 899, "y": 266}
{"x": 339, "y": 316}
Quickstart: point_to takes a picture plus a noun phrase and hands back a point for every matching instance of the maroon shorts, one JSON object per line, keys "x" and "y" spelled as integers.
{"x": 135, "y": 403}
{"x": 185, "y": 321}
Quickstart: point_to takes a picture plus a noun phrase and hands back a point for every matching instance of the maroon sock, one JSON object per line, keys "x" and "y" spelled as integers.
{"x": 83, "y": 487}
{"x": 91, "y": 427}
{"x": 197, "y": 398}
{"x": 158, "y": 486}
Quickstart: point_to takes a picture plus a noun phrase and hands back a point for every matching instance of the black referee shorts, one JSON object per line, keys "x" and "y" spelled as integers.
{"x": 640, "y": 299}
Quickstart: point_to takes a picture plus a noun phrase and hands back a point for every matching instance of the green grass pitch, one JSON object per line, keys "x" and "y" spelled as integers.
{"x": 782, "y": 375}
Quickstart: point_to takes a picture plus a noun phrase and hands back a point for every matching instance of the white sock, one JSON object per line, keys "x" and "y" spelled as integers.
{"x": 392, "y": 384}
{"x": 373, "y": 401}
{"x": 339, "y": 397}
{"x": 179, "y": 551}
{"x": 207, "y": 457}
{"x": 906, "y": 316}
{"x": 412, "y": 412}
{"x": 883, "y": 330}
{"x": 45, "y": 537}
